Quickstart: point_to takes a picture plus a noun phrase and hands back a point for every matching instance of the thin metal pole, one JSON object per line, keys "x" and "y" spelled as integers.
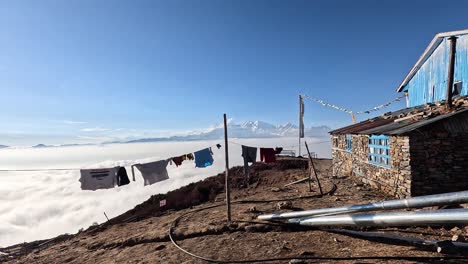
{"x": 451, "y": 69}
{"x": 226, "y": 183}
{"x": 300, "y": 123}
{"x": 313, "y": 168}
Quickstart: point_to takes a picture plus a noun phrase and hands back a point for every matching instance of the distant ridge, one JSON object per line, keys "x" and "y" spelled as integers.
{"x": 249, "y": 129}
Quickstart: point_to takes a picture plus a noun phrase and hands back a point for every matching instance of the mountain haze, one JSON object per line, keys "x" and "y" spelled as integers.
{"x": 249, "y": 129}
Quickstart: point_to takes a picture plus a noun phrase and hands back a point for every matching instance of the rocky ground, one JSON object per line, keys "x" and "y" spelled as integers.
{"x": 142, "y": 234}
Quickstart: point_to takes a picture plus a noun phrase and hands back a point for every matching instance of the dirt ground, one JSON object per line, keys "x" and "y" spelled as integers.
{"x": 141, "y": 235}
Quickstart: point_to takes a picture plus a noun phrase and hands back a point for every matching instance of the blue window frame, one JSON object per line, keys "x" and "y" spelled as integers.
{"x": 379, "y": 150}
{"x": 349, "y": 146}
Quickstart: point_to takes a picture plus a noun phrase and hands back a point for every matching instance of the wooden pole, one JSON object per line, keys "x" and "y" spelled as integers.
{"x": 226, "y": 182}
{"x": 313, "y": 168}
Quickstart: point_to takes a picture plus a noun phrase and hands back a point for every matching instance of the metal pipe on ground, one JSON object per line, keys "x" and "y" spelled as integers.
{"x": 415, "y": 202}
{"x": 429, "y": 217}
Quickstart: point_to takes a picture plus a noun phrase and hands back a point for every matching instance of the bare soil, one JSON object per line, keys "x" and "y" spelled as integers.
{"x": 141, "y": 234}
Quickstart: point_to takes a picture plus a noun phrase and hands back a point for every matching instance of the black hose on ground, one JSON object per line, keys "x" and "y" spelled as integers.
{"x": 177, "y": 220}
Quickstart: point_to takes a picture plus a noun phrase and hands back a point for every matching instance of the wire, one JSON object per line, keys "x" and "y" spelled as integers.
{"x": 55, "y": 169}
{"x": 343, "y": 109}
{"x": 64, "y": 169}
{"x": 290, "y": 146}
{"x": 177, "y": 220}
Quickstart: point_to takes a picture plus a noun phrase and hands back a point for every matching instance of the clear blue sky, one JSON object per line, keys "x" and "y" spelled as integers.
{"x": 86, "y": 68}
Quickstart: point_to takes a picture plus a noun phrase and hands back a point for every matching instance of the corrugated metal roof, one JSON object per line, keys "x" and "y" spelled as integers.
{"x": 388, "y": 126}
{"x": 356, "y": 128}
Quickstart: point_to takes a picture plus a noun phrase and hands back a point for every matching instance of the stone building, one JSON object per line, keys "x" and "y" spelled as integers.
{"x": 414, "y": 151}
{"x": 421, "y": 149}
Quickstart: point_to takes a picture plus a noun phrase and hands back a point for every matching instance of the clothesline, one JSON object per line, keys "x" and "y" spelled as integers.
{"x": 290, "y": 146}
{"x": 241, "y": 144}
{"x": 72, "y": 169}
{"x": 52, "y": 169}
{"x": 61, "y": 169}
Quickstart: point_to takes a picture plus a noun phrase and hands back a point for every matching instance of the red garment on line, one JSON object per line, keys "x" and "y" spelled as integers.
{"x": 267, "y": 155}
{"x": 178, "y": 160}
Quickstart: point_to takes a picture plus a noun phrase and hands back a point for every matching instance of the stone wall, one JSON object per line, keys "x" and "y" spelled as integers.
{"x": 440, "y": 157}
{"x": 394, "y": 180}
{"x": 342, "y": 161}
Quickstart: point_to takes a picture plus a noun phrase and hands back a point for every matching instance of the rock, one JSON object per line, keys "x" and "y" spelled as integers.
{"x": 284, "y": 205}
{"x": 336, "y": 240}
{"x": 252, "y": 209}
{"x": 456, "y": 231}
{"x": 275, "y": 189}
{"x": 160, "y": 247}
{"x": 307, "y": 253}
{"x": 455, "y": 238}
{"x": 297, "y": 261}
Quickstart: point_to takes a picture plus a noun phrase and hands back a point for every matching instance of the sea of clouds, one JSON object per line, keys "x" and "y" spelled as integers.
{"x": 43, "y": 204}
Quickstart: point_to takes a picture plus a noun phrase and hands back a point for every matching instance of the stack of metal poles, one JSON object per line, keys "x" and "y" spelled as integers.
{"x": 353, "y": 215}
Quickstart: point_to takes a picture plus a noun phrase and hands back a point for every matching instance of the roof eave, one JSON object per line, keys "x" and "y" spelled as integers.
{"x": 427, "y": 53}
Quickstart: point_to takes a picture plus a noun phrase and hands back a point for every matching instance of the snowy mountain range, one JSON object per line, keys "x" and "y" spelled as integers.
{"x": 249, "y": 129}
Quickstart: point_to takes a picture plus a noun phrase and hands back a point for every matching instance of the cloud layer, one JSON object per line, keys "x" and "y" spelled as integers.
{"x": 43, "y": 204}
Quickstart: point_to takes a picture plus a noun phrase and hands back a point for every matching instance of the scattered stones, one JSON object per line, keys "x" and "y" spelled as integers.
{"x": 284, "y": 205}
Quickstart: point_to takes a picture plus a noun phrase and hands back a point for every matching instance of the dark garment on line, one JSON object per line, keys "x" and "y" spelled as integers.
{"x": 249, "y": 154}
{"x": 278, "y": 150}
{"x": 122, "y": 177}
{"x": 203, "y": 158}
{"x": 178, "y": 160}
{"x": 188, "y": 156}
{"x": 267, "y": 155}
{"x": 218, "y": 146}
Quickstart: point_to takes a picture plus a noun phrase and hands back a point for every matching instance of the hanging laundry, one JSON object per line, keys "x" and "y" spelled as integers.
{"x": 203, "y": 158}
{"x": 249, "y": 154}
{"x": 218, "y": 146}
{"x": 267, "y": 155}
{"x": 153, "y": 172}
{"x": 94, "y": 179}
{"x": 278, "y": 150}
{"x": 122, "y": 177}
{"x": 178, "y": 160}
{"x": 188, "y": 157}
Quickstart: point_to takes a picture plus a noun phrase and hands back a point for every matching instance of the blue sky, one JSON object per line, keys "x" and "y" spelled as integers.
{"x": 90, "y": 70}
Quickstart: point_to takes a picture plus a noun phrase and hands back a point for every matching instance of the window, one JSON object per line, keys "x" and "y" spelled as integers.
{"x": 379, "y": 150}
{"x": 335, "y": 142}
{"x": 457, "y": 88}
{"x": 349, "y": 145}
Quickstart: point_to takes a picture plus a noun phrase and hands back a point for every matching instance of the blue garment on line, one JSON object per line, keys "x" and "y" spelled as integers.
{"x": 203, "y": 158}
